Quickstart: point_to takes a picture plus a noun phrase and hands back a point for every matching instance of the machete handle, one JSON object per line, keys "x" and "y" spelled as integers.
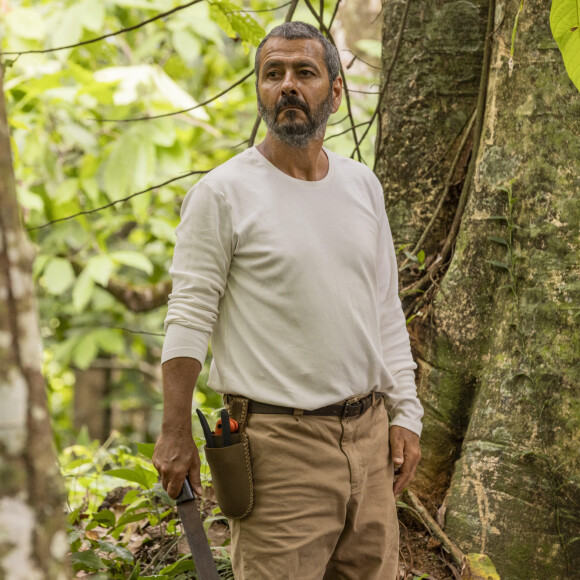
{"x": 186, "y": 493}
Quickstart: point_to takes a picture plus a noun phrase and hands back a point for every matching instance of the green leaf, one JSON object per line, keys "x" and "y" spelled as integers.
{"x": 135, "y": 573}
{"x": 58, "y": 276}
{"x": 85, "y": 351}
{"x": 100, "y": 268}
{"x": 134, "y": 260}
{"x": 110, "y": 340}
{"x": 119, "y": 551}
{"x": 498, "y": 240}
{"x": 565, "y": 25}
{"x": 146, "y": 449}
{"x": 144, "y": 477}
{"x": 87, "y": 560}
{"x": 497, "y": 217}
{"x": 178, "y": 567}
{"x": 421, "y": 256}
{"x": 83, "y": 291}
{"x": 130, "y": 518}
{"x": 105, "y": 518}
{"x": 234, "y": 21}
{"x": 498, "y": 264}
{"x": 481, "y": 566}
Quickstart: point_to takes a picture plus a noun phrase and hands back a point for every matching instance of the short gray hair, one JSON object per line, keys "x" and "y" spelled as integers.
{"x": 293, "y": 30}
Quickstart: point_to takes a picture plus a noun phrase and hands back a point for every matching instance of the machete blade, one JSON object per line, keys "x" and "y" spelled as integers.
{"x": 195, "y": 534}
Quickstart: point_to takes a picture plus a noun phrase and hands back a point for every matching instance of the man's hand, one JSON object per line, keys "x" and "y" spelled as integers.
{"x": 175, "y": 454}
{"x": 406, "y": 454}
{"x": 175, "y": 457}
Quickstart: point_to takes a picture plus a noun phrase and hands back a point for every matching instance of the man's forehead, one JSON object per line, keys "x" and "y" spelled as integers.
{"x": 276, "y": 48}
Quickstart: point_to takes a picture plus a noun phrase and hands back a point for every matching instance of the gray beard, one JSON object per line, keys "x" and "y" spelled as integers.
{"x": 297, "y": 134}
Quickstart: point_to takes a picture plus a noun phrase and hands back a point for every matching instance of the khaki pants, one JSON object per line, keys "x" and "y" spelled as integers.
{"x": 324, "y": 505}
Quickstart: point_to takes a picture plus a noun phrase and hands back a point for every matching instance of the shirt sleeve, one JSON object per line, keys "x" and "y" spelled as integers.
{"x": 201, "y": 262}
{"x": 404, "y": 407}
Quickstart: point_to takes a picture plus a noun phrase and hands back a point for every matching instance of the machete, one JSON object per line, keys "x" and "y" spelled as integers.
{"x": 191, "y": 520}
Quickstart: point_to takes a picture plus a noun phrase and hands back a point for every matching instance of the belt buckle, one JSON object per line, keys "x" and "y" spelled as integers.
{"x": 347, "y": 406}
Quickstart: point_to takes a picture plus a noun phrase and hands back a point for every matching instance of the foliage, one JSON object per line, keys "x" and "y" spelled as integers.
{"x": 127, "y": 532}
{"x": 565, "y": 25}
{"x": 85, "y": 142}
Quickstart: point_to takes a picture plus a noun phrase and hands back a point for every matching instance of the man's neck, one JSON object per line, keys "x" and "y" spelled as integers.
{"x": 308, "y": 164}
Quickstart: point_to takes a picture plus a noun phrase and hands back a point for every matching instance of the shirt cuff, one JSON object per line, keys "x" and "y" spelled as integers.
{"x": 181, "y": 341}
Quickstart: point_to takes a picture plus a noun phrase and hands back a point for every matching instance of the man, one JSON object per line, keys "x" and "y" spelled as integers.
{"x": 284, "y": 255}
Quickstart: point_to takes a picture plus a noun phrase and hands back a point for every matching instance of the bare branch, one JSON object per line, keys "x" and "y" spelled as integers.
{"x": 116, "y": 33}
{"x": 389, "y": 72}
{"x": 346, "y": 131}
{"x": 136, "y": 331}
{"x": 334, "y": 14}
{"x": 357, "y": 57}
{"x": 138, "y": 299}
{"x": 262, "y": 10}
{"x": 70, "y": 217}
{"x": 383, "y": 91}
{"x": 149, "y": 117}
{"x": 254, "y": 132}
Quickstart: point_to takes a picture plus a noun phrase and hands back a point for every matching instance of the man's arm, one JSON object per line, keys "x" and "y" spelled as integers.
{"x": 175, "y": 453}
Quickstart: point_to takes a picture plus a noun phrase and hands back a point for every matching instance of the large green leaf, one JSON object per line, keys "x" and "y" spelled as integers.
{"x": 565, "y": 25}
{"x": 58, "y": 276}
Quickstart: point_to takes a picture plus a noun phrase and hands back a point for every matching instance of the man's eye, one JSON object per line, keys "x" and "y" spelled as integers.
{"x": 305, "y": 72}
{"x": 271, "y": 74}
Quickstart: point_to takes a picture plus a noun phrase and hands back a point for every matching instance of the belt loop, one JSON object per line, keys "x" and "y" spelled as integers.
{"x": 374, "y": 398}
{"x": 298, "y": 412}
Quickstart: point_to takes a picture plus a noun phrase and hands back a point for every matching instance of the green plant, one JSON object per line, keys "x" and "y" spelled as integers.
{"x": 131, "y": 531}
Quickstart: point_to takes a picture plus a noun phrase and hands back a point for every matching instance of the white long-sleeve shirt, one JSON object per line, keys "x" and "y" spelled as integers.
{"x": 296, "y": 282}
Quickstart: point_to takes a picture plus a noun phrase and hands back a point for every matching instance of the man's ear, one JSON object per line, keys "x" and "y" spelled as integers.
{"x": 336, "y": 93}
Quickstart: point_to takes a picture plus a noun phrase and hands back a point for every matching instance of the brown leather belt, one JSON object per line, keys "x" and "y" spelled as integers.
{"x": 346, "y": 409}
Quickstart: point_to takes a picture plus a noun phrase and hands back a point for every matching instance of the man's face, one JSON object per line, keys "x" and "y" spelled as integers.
{"x": 295, "y": 97}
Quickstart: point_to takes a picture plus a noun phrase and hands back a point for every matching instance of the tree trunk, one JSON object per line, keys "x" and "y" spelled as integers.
{"x": 33, "y": 543}
{"x": 496, "y": 334}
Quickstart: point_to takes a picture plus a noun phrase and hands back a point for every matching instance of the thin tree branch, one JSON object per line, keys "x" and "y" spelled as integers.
{"x": 357, "y": 57}
{"x": 434, "y": 528}
{"x": 138, "y": 299}
{"x": 116, "y": 33}
{"x": 336, "y": 6}
{"x": 383, "y": 91}
{"x": 450, "y": 175}
{"x": 70, "y": 217}
{"x": 262, "y": 10}
{"x": 254, "y": 132}
{"x": 345, "y": 131}
{"x": 136, "y": 331}
{"x": 365, "y": 93}
{"x": 325, "y": 29}
{"x": 150, "y": 117}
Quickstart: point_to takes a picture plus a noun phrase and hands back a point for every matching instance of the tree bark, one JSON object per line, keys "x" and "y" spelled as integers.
{"x": 497, "y": 338}
{"x": 33, "y": 543}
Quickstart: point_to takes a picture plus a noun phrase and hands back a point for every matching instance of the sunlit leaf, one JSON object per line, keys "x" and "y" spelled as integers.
{"x": 134, "y": 260}
{"x": 565, "y": 25}
{"x": 58, "y": 276}
{"x": 83, "y": 290}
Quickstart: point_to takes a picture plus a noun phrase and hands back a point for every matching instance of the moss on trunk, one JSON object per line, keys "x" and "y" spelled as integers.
{"x": 498, "y": 346}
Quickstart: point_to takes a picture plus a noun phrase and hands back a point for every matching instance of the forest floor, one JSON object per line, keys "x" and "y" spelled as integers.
{"x": 420, "y": 557}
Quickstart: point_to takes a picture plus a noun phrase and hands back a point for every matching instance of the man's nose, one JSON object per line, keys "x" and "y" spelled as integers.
{"x": 288, "y": 86}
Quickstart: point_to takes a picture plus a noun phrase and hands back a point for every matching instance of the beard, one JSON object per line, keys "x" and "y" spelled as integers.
{"x": 292, "y": 131}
